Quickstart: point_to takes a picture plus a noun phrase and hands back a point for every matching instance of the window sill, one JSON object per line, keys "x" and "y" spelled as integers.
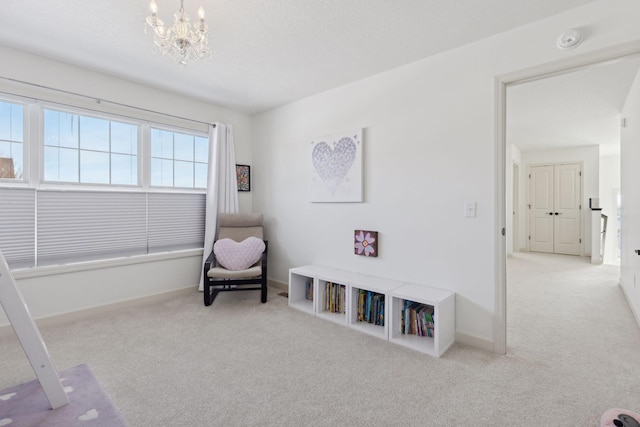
{"x": 99, "y": 264}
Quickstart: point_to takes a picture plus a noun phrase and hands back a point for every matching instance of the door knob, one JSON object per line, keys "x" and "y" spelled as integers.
{"x": 558, "y": 213}
{"x": 550, "y": 213}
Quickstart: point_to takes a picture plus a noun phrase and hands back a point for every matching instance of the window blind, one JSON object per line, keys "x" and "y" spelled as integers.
{"x": 17, "y": 226}
{"x": 176, "y": 221}
{"x": 78, "y": 226}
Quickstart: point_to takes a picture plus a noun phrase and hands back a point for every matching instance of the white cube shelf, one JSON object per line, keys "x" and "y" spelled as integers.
{"x": 443, "y": 303}
{"x": 394, "y": 292}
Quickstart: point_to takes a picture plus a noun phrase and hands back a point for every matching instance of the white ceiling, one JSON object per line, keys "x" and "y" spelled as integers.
{"x": 574, "y": 109}
{"x": 269, "y": 53}
{"x": 265, "y": 53}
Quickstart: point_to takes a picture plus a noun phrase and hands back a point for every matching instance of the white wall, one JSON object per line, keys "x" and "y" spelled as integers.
{"x": 77, "y": 289}
{"x": 589, "y": 156}
{"x": 60, "y": 293}
{"x": 429, "y": 146}
{"x": 630, "y": 207}
{"x": 609, "y": 187}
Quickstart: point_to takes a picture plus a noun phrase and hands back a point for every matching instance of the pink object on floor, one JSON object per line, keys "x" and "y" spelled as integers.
{"x": 617, "y": 417}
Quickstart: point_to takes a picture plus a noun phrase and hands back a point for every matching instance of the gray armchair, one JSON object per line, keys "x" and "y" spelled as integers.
{"x": 217, "y": 278}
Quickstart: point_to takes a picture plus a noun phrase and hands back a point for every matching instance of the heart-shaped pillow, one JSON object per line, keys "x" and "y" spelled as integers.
{"x": 236, "y": 256}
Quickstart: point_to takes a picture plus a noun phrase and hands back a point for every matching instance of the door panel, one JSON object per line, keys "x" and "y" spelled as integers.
{"x": 567, "y": 228}
{"x": 542, "y": 240}
{"x": 567, "y": 179}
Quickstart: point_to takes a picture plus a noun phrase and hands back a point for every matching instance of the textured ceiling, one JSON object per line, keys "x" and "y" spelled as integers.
{"x": 265, "y": 53}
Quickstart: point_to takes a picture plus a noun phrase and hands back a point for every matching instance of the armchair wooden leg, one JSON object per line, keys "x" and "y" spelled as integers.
{"x": 210, "y": 294}
{"x": 207, "y": 295}
{"x": 263, "y": 292}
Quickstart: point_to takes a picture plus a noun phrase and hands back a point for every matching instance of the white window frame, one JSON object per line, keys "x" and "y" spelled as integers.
{"x": 26, "y": 147}
{"x": 148, "y": 164}
{"x": 92, "y": 114}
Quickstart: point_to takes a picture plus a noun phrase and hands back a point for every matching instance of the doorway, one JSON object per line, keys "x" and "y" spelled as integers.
{"x": 578, "y": 63}
{"x": 555, "y": 194}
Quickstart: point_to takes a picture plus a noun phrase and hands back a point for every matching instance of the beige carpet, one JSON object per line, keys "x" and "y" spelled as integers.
{"x": 574, "y": 351}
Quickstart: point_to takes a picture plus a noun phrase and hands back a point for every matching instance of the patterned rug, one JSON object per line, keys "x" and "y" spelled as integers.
{"x": 26, "y": 405}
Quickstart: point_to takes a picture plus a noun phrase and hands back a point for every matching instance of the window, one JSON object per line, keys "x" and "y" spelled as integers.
{"x": 178, "y": 159}
{"x": 45, "y": 221}
{"x": 89, "y": 150}
{"x": 11, "y": 140}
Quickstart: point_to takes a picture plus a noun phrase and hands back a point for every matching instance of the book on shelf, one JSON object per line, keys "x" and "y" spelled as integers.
{"x": 309, "y": 290}
{"x": 334, "y": 297}
{"x": 370, "y": 307}
{"x": 417, "y": 319}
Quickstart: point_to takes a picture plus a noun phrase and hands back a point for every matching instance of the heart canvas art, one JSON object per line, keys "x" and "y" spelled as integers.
{"x": 336, "y": 167}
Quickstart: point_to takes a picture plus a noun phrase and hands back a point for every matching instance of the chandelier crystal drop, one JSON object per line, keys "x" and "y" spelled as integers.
{"x": 182, "y": 41}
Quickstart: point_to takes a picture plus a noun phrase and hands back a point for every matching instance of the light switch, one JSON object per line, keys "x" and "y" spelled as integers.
{"x": 470, "y": 209}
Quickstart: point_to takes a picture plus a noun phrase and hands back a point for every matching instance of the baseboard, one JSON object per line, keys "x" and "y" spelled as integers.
{"x": 477, "y": 342}
{"x": 149, "y": 299}
{"x": 277, "y": 284}
{"x": 83, "y": 313}
{"x": 628, "y": 300}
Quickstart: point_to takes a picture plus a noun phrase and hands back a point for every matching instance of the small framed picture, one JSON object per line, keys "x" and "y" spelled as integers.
{"x": 365, "y": 243}
{"x": 243, "y": 174}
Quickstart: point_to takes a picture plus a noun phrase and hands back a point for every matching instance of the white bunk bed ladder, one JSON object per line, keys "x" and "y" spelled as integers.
{"x": 30, "y": 338}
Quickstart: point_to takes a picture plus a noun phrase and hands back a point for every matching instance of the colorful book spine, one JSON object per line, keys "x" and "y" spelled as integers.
{"x": 370, "y": 307}
{"x": 335, "y": 300}
{"x": 309, "y": 290}
{"x": 417, "y": 319}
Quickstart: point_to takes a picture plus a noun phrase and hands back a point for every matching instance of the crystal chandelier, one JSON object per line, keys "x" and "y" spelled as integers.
{"x": 181, "y": 41}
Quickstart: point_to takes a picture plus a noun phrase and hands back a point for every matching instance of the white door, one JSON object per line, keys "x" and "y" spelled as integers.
{"x": 567, "y": 209}
{"x": 541, "y": 209}
{"x": 554, "y": 219}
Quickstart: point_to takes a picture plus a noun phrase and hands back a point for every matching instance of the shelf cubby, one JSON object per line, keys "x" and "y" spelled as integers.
{"x": 332, "y": 300}
{"x": 376, "y": 286}
{"x": 443, "y": 304}
{"x": 298, "y": 296}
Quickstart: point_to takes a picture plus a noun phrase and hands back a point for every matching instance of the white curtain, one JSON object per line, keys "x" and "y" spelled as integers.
{"x": 222, "y": 184}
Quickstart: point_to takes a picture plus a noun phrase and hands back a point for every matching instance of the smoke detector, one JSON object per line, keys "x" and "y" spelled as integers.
{"x": 569, "y": 39}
